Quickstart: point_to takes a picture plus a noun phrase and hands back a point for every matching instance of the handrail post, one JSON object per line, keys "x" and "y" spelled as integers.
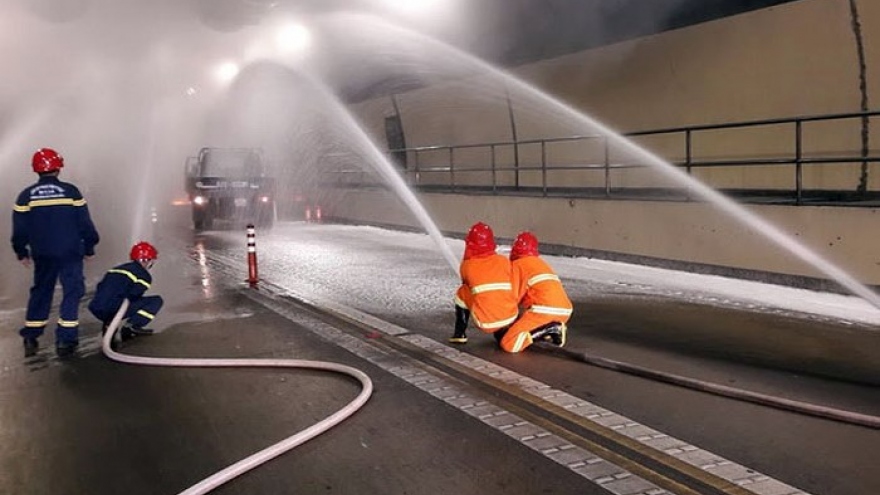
{"x": 514, "y": 136}
{"x": 688, "y": 151}
{"x": 798, "y": 164}
{"x": 516, "y": 165}
{"x": 416, "y": 168}
{"x": 607, "y": 167}
{"x": 494, "y": 175}
{"x": 688, "y": 157}
{"x": 544, "y": 167}
{"x": 451, "y": 168}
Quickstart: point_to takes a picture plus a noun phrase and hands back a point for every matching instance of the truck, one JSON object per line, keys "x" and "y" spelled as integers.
{"x": 233, "y": 185}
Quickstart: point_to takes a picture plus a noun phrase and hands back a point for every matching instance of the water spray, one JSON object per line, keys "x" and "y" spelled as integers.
{"x": 275, "y": 450}
{"x": 386, "y": 170}
{"x": 705, "y": 192}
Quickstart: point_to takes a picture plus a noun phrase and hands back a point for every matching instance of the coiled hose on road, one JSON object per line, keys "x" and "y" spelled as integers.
{"x": 274, "y": 450}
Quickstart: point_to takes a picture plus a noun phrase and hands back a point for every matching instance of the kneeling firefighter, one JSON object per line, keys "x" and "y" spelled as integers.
{"x": 546, "y": 306}
{"x": 129, "y": 281}
{"x": 486, "y": 292}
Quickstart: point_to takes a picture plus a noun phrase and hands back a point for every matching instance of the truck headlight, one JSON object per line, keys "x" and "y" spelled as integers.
{"x": 264, "y": 199}
{"x": 200, "y": 200}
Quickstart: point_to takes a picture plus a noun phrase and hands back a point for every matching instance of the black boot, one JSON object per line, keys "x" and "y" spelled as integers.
{"x": 31, "y": 346}
{"x": 66, "y": 349}
{"x": 554, "y": 332}
{"x": 462, "y": 317}
{"x": 141, "y": 331}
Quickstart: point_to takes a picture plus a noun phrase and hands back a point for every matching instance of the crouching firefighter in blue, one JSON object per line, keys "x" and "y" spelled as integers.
{"x": 129, "y": 281}
{"x": 52, "y": 230}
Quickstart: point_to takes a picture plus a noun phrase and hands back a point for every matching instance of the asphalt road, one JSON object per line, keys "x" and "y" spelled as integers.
{"x": 90, "y": 425}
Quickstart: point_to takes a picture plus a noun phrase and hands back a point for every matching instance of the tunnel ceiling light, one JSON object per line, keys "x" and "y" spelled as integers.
{"x": 293, "y": 38}
{"x": 414, "y": 7}
{"x": 227, "y": 71}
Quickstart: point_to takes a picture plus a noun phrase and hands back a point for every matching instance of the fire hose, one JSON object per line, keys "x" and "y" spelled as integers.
{"x": 274, "y": 450}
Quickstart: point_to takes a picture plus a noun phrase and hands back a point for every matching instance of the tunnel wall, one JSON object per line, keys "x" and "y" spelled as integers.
{"x": 660, "y": 233}
{"x": 800, "y": 58}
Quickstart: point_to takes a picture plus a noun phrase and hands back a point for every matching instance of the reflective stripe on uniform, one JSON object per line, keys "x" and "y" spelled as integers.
{"x": 131, "y": 276}
{"x": 145, "y": 314}
{"x": 479, "y": 289}
{"x": 543, "y": 277}
{"x": 494, "y": 324}
{"x": 460, "y": 303}
{"x": 68, "y": 323}
{"x": 21, "y": 208}
{"x": 520, "y": 343}
{"x": 550, "y": 310}
{"x": 34, "y": 203}
{"x": 35, "y": 324}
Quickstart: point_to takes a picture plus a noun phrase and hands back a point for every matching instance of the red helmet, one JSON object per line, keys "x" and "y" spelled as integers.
{"x": 47, "y": 160}
{"x": 143, "y": 251}
{"x": 480, "y": 241}
{"x": 526, "y": 244}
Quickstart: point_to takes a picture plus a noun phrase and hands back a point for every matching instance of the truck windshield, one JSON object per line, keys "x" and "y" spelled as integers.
{"x": 231, "y": 163}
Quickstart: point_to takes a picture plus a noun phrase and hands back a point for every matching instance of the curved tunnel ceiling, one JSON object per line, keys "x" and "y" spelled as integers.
{"x": 510, "y": 32}
{"x": 514, "y": 32}
{"x": 503, "y": 32}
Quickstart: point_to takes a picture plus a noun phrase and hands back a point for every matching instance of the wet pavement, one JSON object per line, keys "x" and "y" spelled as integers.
{"x": 91, "y": 425}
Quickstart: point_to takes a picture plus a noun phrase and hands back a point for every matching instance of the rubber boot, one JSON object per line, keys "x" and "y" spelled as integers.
{"x": 66, "y": 349}
{"x": 462, "y": 317}
{"x": 31, "y": 346}
{"x": 554, "y": 332}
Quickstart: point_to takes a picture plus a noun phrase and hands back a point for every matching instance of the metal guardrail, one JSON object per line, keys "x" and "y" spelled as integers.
{"x": 423, "y": 170}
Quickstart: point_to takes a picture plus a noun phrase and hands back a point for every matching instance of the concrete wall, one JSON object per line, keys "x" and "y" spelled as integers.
{"x": 682, "y": 233}
{"x": 795, "y": 59}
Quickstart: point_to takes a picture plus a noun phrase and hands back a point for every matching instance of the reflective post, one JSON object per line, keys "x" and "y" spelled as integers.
{"x": 252, "y": 256}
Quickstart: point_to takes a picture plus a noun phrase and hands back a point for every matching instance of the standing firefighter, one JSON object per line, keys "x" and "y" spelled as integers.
{"x": 546, "y": 306}
{"x": 52, "y": 229}
{"x": 129, "y": 281}
{"x": 486, "y": 292}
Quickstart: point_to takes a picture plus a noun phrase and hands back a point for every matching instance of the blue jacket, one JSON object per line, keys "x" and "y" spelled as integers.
{"x": 52, "y": 219}
{"x": 126, "y": 281}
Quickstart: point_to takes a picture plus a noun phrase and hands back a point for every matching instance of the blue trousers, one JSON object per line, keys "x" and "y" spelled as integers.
{"x": 47, "y": 272}
{"x": 141, "y": 312}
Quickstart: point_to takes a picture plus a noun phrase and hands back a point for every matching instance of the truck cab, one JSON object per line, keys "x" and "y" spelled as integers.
{"x": 233, "y": 185}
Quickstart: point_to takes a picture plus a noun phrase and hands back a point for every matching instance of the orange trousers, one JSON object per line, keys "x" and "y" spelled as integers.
{"x": 519, "y": 337}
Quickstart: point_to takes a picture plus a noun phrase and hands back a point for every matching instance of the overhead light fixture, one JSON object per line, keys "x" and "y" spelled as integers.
{"x": 293, "y": 38}
{"x": 227, "y": 71}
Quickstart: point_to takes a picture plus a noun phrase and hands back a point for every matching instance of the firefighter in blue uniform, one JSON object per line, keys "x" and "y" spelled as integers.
{"x": 129, "y": 281}
{"x": 52, "y": 229}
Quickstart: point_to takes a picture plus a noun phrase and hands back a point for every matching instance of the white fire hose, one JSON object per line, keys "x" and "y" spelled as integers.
{"x": 272, "y": 451}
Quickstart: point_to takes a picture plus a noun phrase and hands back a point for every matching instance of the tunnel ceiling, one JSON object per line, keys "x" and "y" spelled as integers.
{"x": 504, "y": 32}
{"x": 511, "y": 32}
{"x": 515, "y": 32}
{"x": 537, "y": 29}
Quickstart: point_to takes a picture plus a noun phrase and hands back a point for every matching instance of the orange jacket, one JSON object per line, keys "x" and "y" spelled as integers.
{"x": 487, "y": 292}
{"x": 538, "y": 288}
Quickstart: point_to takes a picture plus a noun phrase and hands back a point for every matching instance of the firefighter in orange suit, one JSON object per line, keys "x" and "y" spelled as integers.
{"x": 486, "y": 293}
{"x": 546, "y": 307}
